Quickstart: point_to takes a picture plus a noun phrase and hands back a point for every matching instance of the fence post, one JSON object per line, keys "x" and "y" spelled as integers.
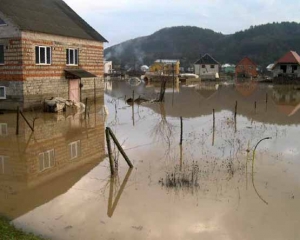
{"x": 119, "y": 147}
{"x": 181, "y": 130}
{"x": 17, "y": 127}
{"x": 112, "y": 169}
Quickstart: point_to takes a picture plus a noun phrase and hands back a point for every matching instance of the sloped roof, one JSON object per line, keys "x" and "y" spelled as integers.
{"x": 246, "y": 58}
{"x": 290, "y": 57}
{"x": 206, "y": 59}
{"x": 48, "y": 16}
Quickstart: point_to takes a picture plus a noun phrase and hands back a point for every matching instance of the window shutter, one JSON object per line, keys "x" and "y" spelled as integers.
{"x": 41, "y": 161}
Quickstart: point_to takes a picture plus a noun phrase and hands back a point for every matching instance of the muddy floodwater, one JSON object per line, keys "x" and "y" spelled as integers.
{"x": 219, "y": 184}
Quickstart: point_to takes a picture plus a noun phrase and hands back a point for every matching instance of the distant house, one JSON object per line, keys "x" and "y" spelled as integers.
{"x": 47, "y": 50}
{"x": 165, "y": 67}
{"x": 246, "y": 68}
{"x": 207, "y": 67}
{"x": 108, "y": 67}
{"x": 287, "y": 65}
{"x": 228, "y": 68}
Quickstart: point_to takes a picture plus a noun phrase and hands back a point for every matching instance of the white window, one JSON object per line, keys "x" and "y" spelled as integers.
{"x": 1, "y": 54}
{"x": 46, "y": 160}
{"x": 74, "y": 149}
{"x": 72, "y": 56}
{"x": 43, "y": 55}
{"x": 3, "y": 129}
{"x": 3, "y": 165}
{"x": 2, "y": 92}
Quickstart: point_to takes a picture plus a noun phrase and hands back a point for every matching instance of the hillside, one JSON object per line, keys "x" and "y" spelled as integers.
{"x": 263, "y": 43}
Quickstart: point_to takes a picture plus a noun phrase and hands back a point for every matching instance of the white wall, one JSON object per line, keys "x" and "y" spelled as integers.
{"x": 208, "y": 70}
{"x": 107, "y": 66}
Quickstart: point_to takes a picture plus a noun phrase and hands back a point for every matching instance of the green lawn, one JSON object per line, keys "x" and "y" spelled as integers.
{"x": 9, "y": 232}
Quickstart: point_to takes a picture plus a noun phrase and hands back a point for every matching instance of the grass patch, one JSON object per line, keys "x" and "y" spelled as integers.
{"x": 9, "y": 232}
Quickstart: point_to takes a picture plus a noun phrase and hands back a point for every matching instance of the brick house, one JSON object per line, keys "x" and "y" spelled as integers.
{"x": 47, "y": 50}
{"x": 207, "y": 67}
{"x": 246, "y": 68}
{"x": 287, "y": 66}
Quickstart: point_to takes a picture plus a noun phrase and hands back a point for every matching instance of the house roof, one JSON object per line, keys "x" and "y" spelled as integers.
{"x": 206, "y": 59}
{"x": 290, "y": 57}
{"x": 246, "y": 58}
{"x": 50, "y": 17}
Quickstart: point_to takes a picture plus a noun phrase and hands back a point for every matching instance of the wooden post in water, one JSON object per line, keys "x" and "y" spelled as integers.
{"x": 17, "y": 123}
{"x": 235, "y": 110}
{"x": 111, "y": 162}
{"x": 119, "y": 147}
{"x": 266, "y": 101}
{"x": 214, "y": 118}
{"x": 255, "y": 106}
{"x": 133, "y": 107}
{"x": 85, "y": 111}
{"x": 26, "y": 121}
{"x": 181, "y": 130}
{"x": 213, "y": 138}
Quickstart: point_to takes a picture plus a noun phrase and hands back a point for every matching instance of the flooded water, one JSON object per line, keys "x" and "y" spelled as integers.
{"x": 56, "y": 181}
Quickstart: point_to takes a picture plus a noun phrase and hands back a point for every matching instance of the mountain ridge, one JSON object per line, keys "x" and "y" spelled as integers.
{"x": 264, "y": 44}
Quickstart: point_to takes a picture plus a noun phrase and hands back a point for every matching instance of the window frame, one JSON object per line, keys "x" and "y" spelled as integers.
{"x": 203, "y": 66}
{"x": 212, "y": 66}
{"x": 4, "y": 96}
{"x": 51, "y": 163}
{"x": 3, "y": 133}
{"x": 46, "y": 55}
{"x": 2, "y": 163}
{"x": 75, "y": 56}
{"x": 2, "y": 63}
{"x": 77, "y": 145}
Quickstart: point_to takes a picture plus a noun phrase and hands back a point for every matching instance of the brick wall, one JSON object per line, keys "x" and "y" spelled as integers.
{"x": 246, "y": 67}
{"x": 44, "y": 81}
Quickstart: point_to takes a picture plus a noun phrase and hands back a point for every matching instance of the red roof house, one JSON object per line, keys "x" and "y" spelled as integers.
{"x": 287, "y": 65}
{"x": 246, "y": 68}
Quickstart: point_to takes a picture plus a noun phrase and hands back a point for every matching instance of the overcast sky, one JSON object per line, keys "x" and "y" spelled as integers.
{"x": 121, "y": 20}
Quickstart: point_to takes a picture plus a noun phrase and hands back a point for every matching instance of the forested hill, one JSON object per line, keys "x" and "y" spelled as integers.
{"x": 263, "y": 43}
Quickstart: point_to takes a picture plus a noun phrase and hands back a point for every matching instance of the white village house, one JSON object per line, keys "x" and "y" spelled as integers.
{"x": 207, "y": 67}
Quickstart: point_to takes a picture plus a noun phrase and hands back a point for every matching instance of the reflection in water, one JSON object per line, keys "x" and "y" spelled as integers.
{"x": 43, "y": 164}
{"x": 253, "y": 159}
{"x": 112, "y": 204}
